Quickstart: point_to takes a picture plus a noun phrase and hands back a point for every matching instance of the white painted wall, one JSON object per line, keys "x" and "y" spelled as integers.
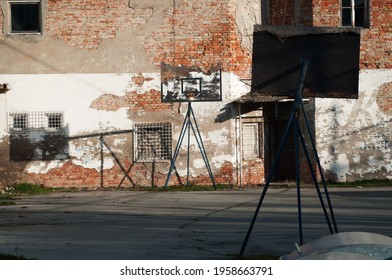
{"x": 73, "y": 95}
{"x": 354, "y": 136}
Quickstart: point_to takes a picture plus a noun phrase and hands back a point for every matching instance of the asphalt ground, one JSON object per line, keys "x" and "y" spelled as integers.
{"x": 118, "y": 225}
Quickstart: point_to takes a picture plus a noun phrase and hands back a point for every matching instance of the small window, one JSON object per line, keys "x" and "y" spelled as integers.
{"x": 25, "y": 17}
{"x": 355, "y": 13}
{"x": 55, "y": 121}
{"x": 250, "y": 141}
{"x": 36, "y": 121}
{"x": 19, "y": 121}
{"x": 153, "y": 142}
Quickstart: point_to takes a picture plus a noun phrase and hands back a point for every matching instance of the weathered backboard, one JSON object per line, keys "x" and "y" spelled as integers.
{"x": 333, "y": 55}
{"x": 183, "y": 84}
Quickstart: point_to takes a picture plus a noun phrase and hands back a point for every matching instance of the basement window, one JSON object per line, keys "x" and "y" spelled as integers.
{"x": 25, "y": 17}
{"x": 153, "y": 142}
{"x": 35, "y": 121}
{"x": 55, "y": 121}
{"x": 19, "y": 121}
{"x": 355, "y": 13}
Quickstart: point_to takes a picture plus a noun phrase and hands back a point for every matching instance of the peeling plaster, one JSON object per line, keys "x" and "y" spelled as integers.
{"x": 248, "y": 14}
{"x": 219, "y": 137}
{"x": 42, "y": 167}
{"x": 354, "y": 136}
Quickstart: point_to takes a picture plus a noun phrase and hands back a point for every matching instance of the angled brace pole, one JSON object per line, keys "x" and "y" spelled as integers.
{"x": 185, "y": 130}
{"x": 304, "y": 67}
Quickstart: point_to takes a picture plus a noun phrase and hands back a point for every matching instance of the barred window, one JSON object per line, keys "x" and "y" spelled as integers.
{"x": 152, "y": 142}
{"x": 23, "y": 121}
{"x": 250, "y": 141}
{"x": 19, "y": 121}
{"x": 55, "y": 121}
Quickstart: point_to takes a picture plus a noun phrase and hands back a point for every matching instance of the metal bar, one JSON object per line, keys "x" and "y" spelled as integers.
{"x": 320, "y": 169}
{"x": 99, "y": 134}
{"x": 267, "y": 183}
{"x": 118, "y": 161}
{"x": 189, "y": 143}
{"x": 315, "y": 181}
{"x": 202, "y": 149}
{"x": 122, "y": 180}
{"x": 303, "y": 66}
{"x": 101, "y": 147}
{"x": 298, "y": 179}
{"x": 177, "y": 149}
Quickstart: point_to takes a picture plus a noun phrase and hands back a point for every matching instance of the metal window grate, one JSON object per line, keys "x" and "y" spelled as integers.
{"x": 28, "y": 121}
{"x": 250, "y": 141}
{"x": 153, "y": 142}
{"x": 55, "y": 120}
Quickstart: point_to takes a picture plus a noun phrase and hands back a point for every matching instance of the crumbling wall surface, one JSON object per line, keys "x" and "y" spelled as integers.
{"x": 84, "y": 23}
{"x": 326, "y": 13}
{"x": 354, "y": 137}
{"x": 200, "y": 33}
{"x": 2, "y": 35}
{"x": 98, "y": 62}
{"x": 290, "y": 13}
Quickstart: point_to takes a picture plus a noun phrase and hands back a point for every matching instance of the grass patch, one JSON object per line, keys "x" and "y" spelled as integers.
{"x": 27, "y": 189}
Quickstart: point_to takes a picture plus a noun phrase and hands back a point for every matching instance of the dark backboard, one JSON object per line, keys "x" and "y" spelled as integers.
{"x": 333, "y": 55}
{"x": 190, "y": 84}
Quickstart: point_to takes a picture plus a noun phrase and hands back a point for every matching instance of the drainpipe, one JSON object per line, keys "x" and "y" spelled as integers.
{"x": 264, "y": 12}
{"x": 240, "y": 143}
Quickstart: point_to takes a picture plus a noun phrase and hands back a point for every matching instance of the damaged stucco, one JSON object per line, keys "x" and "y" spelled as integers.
{"x": 354, "y": 137}
{"x": 98, "y": 62}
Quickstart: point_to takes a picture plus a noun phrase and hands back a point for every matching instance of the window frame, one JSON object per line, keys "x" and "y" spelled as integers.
{"x": 40, "y": 23}
{"x": 57, "y": 123}
{"x": 352, "y": 9}
{"x": 257, "y": 141}
{"x": 20, "y": 121}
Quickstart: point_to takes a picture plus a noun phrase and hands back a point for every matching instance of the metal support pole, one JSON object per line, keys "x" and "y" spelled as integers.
{"x": 298, "y": 178}
{"x": 186, "y": 127}
{"x": 101, "y": 148}
{"x": 293, "y": 120}
{"x": 303, "y": 66}
{"x": 319, "y": 168}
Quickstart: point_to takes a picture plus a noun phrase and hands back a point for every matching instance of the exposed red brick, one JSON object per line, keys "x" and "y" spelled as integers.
{"x": 200, "y": 33}
{"x": 85, "y": 23}
{"x": 384, "y": 98}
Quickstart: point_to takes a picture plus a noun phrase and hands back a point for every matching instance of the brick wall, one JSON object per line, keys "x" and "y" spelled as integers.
{"x": 200, "y": 33}
{"x": 253, "y": 172}
{"x": 377, "y": 41}
{"x": 326, "y": 13}
{"x": 384, "y": 98}
{"x": 85, "y": 23}
{"x": 288, "y": 12}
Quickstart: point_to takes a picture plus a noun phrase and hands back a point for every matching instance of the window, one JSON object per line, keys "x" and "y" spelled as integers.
{"x": 30, "y": 121}
{"x": 19, "y": 121}
{"x": 153, "y": 142}
{"x": 250, "y": 141}
{"x": 25, "y": 16}
{"x": 355, "y": 13}
{"x": 55, "y": 121}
